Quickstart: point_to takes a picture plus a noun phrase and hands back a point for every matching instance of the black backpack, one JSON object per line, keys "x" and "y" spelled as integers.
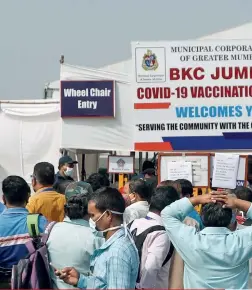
{"x": 139, "y": 241}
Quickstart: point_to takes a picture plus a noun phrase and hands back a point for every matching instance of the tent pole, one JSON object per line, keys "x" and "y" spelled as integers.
{"x": 83, "y": 171}
{"x": 140, "y": 161}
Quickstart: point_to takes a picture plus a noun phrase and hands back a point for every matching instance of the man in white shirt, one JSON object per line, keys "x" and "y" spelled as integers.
{"x": 139, "y": 193}
{"x": 156, "y": 249}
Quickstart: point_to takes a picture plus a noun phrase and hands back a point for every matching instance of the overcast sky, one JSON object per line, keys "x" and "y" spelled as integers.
{"x": 34, "y": 33}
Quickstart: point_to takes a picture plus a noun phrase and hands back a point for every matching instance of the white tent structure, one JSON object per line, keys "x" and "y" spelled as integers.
{"x": 30, "y": 134}
{"x": 33, "y": 131}
{"x": 116, "y": 132}
{"x": 98, "y": 134}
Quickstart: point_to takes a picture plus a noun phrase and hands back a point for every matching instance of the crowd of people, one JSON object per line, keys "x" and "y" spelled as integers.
{"x": 147, "y": 235}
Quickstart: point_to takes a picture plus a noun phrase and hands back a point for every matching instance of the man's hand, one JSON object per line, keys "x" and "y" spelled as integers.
{"x": 201, "y": 199}
{"x": 69, "y": 275}
{"x": 228, "y": 201}
{"x": 214, "y": 196}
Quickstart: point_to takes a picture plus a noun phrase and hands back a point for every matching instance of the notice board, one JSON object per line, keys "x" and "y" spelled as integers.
{"x": 200, "y": 166}
{"x": 242, "y": 169}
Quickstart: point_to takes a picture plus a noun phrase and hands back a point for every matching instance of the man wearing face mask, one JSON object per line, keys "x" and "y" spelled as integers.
{"x": 115, "y": 264}
{"x": 139, "y": 194}
{"x": 46, "y": 200}
{"x": 66, "y": 170}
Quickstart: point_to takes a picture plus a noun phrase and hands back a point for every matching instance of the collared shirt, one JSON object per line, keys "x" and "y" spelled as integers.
{"x": 155, "y": 249}
{"x": 2, "y": 207}
{"x": 14, "y": 234}
{"x": 214, "y": 257}
{"x": 114, "y": 265}
{"x": 73, "y": 249}
{"x": 240, "y": 227}
{"x": 136, "y": 210}
{"x": 49, "y": 203}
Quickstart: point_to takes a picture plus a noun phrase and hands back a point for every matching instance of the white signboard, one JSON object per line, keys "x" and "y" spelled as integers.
{"x": 180, "y": 170}
{"x": 200, "y": 165}
{"x": 121, "y": 164}
{"x": 225, "y": 170}
{"x": 192, "y": 95}
{"x": 241, "y": 174}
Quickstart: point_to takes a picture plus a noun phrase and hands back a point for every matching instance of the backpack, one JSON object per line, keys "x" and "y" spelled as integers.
{"x": 139, "y": 241}
{"x": 33, "y": 272}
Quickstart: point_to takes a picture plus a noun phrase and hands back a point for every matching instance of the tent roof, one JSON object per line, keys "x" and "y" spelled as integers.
{"x": 125, "y": 67}
{"x": 240, "y": 32}
{"x": 20, "y": 102}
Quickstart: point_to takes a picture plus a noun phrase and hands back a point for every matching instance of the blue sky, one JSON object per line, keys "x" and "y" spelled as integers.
{"x": 33, "y": 33}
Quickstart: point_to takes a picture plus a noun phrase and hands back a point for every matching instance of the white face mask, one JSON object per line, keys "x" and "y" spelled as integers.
{"x": 132, "y": 200}
{"x": 92, "y": 223}
{"x": 69, "y": 172}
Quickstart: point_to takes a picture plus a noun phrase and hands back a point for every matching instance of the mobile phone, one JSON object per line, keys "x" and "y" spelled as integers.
{"x": 54, "y": 268}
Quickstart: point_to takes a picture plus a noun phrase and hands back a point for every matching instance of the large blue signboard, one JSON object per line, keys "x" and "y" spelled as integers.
{"x": 87, "y": 99}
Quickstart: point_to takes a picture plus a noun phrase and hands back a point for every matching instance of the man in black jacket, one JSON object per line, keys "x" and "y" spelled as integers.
{"x": 66, "y": 170}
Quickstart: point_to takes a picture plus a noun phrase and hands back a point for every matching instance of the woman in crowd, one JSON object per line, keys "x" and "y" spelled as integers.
{"x": 72, "y": 242}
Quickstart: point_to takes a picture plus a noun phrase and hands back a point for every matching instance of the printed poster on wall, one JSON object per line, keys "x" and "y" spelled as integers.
{"x": 192, "y": 95}
{"x": 87, "y": 99}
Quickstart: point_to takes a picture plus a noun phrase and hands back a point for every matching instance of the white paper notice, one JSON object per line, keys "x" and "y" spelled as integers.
{"x": 180, "y": 170}
{"x": 225, "y": 170}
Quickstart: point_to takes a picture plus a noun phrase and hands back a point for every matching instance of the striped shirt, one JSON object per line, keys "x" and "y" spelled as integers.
{"x": 114, "y": 265}
{"x": 14, "y": 234}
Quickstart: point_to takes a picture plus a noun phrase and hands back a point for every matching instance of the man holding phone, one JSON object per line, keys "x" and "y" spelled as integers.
{"x": 115, "y": 264}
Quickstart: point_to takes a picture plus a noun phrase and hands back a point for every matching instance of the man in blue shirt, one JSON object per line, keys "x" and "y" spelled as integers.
{"x": 215, "y": 258}
{"x": 186, "y": 190}
{"x": 115, "y": 265}
{"x": 13, "y": 222}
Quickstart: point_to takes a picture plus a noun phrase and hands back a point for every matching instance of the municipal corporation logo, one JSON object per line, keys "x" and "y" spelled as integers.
{"x": 149, "y": 61}
{"x": 120, "y": 163}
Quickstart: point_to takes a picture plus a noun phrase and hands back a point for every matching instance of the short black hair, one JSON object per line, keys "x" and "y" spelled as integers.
{"x": 243, "y": 193}
{"x": 142, "y": 188}
{"x": 108, "y": 198}
{"x": 147, "y": 165}
{"x": 163, "y": 196}
{"x": 149, "y": 171}
{"x": 15, "y": 190}
{"x": 186, "y": 187}
{"x": 44, "y": 173}
{"x": 77, "y": 206}
{"x": 97, "y": 180}
{"x": 167, "y": 183}
{"x": 214, "y": 215}
{"x": 61, "y": 186}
